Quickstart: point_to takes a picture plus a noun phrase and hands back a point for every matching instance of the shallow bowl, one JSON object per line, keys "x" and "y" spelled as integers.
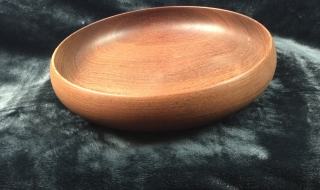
{"x": 163, "y": 68}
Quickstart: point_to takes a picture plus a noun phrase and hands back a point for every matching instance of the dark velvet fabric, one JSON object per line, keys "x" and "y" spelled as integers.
{"x": 274, "y": 143}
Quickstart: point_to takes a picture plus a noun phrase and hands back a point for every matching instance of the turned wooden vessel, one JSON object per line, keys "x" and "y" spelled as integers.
{"x": 163, "y": 68}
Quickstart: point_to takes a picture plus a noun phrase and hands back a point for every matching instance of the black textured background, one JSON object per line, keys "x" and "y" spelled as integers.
{"x": 272, "y": 144}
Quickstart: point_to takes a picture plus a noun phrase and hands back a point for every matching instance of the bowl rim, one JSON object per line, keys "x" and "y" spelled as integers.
{"x": 270, "y": 44}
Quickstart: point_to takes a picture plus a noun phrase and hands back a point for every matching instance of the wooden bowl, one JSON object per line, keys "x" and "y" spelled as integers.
{"x": 163, "y": 68}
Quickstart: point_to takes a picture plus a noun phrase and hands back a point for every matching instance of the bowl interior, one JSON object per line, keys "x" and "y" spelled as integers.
{"x": 162, "y": 51}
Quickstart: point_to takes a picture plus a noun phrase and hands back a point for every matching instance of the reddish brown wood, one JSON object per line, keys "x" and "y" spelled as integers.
{"x": 163, "y": 68}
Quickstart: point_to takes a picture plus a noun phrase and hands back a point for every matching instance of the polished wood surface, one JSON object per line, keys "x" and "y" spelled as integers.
{"x": 163, "y": 68}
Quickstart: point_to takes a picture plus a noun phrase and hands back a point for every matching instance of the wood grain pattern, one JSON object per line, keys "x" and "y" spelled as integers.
{"x": 163, "y": 68}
